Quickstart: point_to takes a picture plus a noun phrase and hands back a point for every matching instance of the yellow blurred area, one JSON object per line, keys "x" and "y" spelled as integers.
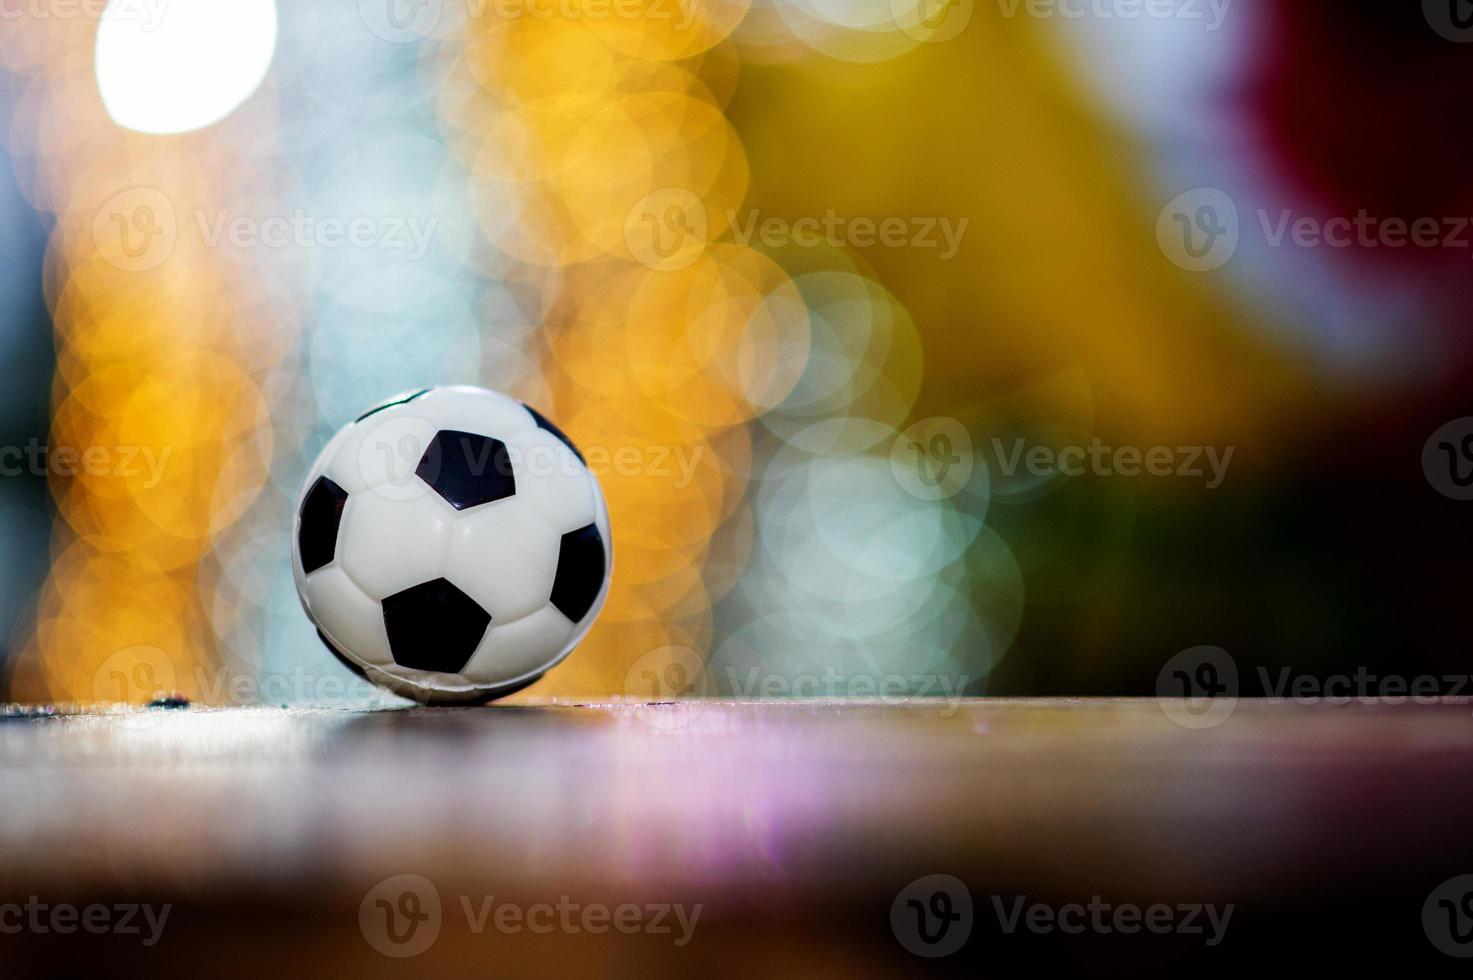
{"x": 585, "y": 125}
{"x": 1057, "y": 274}
{"x": 582, "y": 123}
{"x": 615, "y": 167}
{"x": 160, "y": 436}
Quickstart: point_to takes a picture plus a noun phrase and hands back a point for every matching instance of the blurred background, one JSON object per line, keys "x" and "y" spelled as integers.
{"x": 809, "y": 281}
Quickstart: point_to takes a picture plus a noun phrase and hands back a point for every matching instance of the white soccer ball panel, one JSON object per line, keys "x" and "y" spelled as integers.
{"x": 383, "y": 451}
{"x": 504, "y": 556}
{"x": 558, "y": 486}
{"x": 352, "y": 621}
{"x": 332, "y": 462}
{"x": 476, "y": 410}
{"x": 387, "y": 546}
{"x": 516, "y": 650}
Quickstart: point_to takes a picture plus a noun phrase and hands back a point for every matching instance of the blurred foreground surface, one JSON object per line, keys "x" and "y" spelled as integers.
{"x": 793, "y": 826}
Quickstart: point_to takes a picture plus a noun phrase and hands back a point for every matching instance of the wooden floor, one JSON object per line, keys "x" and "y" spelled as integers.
{"x": 792, "y": 825}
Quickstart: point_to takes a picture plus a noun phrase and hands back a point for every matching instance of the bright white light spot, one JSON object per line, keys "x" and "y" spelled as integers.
{"x": 171, "y": 66}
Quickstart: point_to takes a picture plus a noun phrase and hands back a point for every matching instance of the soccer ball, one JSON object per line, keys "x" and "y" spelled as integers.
{"x": 451, "y": 545}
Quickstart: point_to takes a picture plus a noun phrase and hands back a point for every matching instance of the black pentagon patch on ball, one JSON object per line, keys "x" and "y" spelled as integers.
{"x": 467, "y": 469}
{"x": 434, "y": 626}
{"x": 580, "y": 572}
{"x": 396, "y": 400}
{"x": 322, "y": 512}
{"x": 546, "y": 426}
